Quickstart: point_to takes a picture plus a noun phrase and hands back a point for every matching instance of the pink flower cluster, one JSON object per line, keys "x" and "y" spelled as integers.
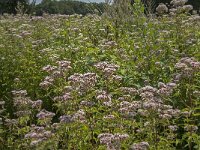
{"x": 112, "y": 141}
{"x": 38, "y": 134}
{"x": 187, "y": 67}
{"x": 55, "y": 72}
{"x": 107, "y": 68}
{"x": 82, "y": 82}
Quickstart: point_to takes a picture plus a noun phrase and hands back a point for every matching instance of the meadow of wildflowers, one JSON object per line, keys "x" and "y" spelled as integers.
{"x": 99, "y": 83}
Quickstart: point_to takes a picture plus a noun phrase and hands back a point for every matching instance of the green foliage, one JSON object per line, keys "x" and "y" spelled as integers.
{"x": 99, "y": 82}
{"x": 67, "y": 7}
{"x": 9, "y": 6}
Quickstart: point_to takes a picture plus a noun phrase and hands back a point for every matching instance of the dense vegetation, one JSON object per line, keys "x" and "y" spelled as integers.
{"x": 9, "y": 6}
{"x": 194, "y": 3}
{"x": 50, "y": 6}
{"x": 69, "y": 7}
{"x": 123, "y": 80}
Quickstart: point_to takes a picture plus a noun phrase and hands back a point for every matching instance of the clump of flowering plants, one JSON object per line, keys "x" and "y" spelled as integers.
{"x": 95, "y": 82}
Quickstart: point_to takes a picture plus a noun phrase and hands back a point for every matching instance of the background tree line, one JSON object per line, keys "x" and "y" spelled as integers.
{"x": 68, "y": 6}
{"x": 50, "y": 6}
{"x": 10, "y": 6}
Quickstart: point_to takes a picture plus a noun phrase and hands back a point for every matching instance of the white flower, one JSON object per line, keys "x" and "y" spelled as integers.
{"x": 162, "y": 8}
